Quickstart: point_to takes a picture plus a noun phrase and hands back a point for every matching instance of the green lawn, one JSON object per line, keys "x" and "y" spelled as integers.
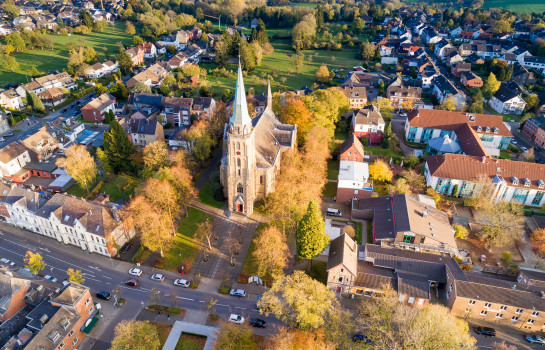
{"x": 524, "y": 6}
{"x": 318, "y": 271}
{"x": 206, "y": 193}
{"x": 333, "y": 169}
{"x": 330, "y": 189}
{"x": 190, "y": 342}
{"x": 163, "y": 330}
{"x": 379, "y": 151}
{"x": 279, "y": 66}
{"x": 369, "y": 231}
{"x": 184, "y": 243}
{"x": 57, "y": 59}
{"x": 115, "y": 186}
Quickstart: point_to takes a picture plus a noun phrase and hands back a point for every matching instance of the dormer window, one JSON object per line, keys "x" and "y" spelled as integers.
{"x": 487, "y": 129}
{"x": 541, "y": 184}
{"x": 496, "y": 131}
{"x": 527, "y": 182}
{"x": 471, "y": 117}
{"x": 515, "y": 180}
{"x": 479, "y": 129}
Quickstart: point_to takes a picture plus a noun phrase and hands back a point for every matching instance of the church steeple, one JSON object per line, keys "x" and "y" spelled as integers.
{"x": 240, "y": 114}
{"x": 269, "y": 94}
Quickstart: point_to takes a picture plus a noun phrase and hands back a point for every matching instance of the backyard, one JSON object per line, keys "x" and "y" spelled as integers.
{"x": 57, "y": 59}
{"x": 115, "y": 186}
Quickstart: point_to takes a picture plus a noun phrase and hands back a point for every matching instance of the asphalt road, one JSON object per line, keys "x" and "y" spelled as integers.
{"x": 101, "y": 273}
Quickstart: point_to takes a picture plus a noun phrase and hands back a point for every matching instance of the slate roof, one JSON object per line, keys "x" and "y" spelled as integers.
{"x": 413, "y": 285}
{"x": 143, "y": 126}
{"x": 101, "y": 102}
{"x": 343, "y": 250}
{"x": 444, "y": 85}
{"x": 505, "y": 94}
{"x": 146, "y": 98}
{"x": 369, "y": 115}
{"x": 26, "y": 198}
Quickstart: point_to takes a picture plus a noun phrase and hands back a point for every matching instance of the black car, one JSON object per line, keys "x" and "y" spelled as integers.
{"x": 103, "y": 295}
{"x": 125, "y": 248}
{"x": 486, "y": 331}
{"x": 257, "y": 322}
{"x": 360, "y": 338}
{"x": 63, "y": 110}
{"x": 132, "y": 282}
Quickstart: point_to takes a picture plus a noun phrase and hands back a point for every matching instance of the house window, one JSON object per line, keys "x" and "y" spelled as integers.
{"x": 484, "y": 312}
{"x": 401, "y": 298}
{"x": 411, "y": 300}
{"x": 87, "y": 302}
{"x": 421, "y": 301}
{"x": 359, "y": 291}
{"x": 531, "y": 321}
{"x": 503, "y": 308}
{"x": 471, "y": 302}
{"x": 71, "y": 333}
{"x": 261, "y": 179}
{"x": 61, "y": 346}
{"x": 368, "y": 293}
{"x": 341, "y": 279}
{"x": 408, "y": 237}
{"x": 75, "y": 341}
{"x": 499, "y": 315}
{"x": 467, "y": 310}
{"x": 535, "y": 314}
{"x": 487, "y": 305}
{"x": 519, "y": 311}
{"x": 240, "y": 189}
{"x": 238, "y": 161}
{"x": 514, "y": 318}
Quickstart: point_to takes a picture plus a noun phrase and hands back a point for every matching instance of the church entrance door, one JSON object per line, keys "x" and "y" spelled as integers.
{"x": 239, "y": 208}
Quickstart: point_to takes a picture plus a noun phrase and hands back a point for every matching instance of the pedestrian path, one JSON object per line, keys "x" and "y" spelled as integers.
{"x": 188, "y": 327}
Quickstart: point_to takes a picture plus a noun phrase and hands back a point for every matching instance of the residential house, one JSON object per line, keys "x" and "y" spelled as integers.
{"x": 14, "y": 291}
{"x": 521, "y": 75}
{"x": 460, "y": 175}
{"x": 9, "y": 99}
{"x": 169, "y": 40}
{"x": 353, "y": 179}
{"x": 41, "y": 145}
{"x": 460, "y": 67}
{"x": 99, "y": 70}
{"x": 61, "y": 80}
{"x": 177, "y": 111}
{"x": 401, "y": 93}
{"x": 443, "y": 89}
{"x": 430, "y": 36}
{"x": 178, "y": 60}
{"x": 368, "y": 122}
{"x": 453, "y": 57}
{"x": 149, "y": 49}
{"x": 142, "y": 132}
{"x": 471, "y": 80}
{"x": 441, "y": 47}
{"x": 535, "y": 129}
{"x": 144, "y": 101}
{"x": 506, "y": 101}
{"x": 485, "y": 51}
{"x": 95, "y": 110}
{"x": 477, "y": 134}
{"x": 51, "y": 97}
{"x": 357, "y": 96}
{"x": 13, "y": 158}
{"x": 536, "y": 62}
{"x": 136, "y": 55}
{"x": 203, "y": 107}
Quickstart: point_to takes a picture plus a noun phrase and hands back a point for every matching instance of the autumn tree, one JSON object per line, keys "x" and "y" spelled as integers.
{"x": 298, "y": 61}
{"x": 449, "y": 103}
{"x": 415, "y": 180}
{"x": 287, "y": 339}
{"x": 155, "y": 157}
{"x": 79, "y": 164}
{"x": 327, "y": 105}
{"x": 234, "y": 336}
{"x": 135, "y": 335}
{"x": 151, "y": 223}
{"x": 460, "y": 231}
{"x": 271, "y": 252}
{"x": 117, "y": 149}
{"x": 181, "y": 179}
{"x": 9, "y": 62}
{"x": 75, "y": 275}
{"x": 234, "y": 8}
{"x": 491, "y": 86}
{"x": 537, "y": 238}
{"x": 503, "y": 346}
{"x": 311, "y": 236}
{"x": 380, "y": 171}
{"x": 350, "y": 231}
{"x": 322, "y": 75}
{"x": 367, "y": 50}
{"x": 34, "y": 262}
{"x": 204, "y": 233}
{"x": 294, "y": 111}
{"x": 163, "y": 195}
{"x": 129, "y": 28}
{"x": 385, "y": 107}
{"x": 300, "y": 301}
{"x": 124, "y": 60}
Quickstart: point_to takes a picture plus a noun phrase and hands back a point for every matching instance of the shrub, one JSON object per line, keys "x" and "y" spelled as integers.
{"x": 506, "y": 257}
{"x": 214, "y": 317}
{"x": 461, "y": 231}
{"x": 455, "y": 190}
{"x": 137, "y": 254}
{"x": 158, "y": 263}
{"x": 466, "y": 267}
{"x": 174, "y": 310}
{"x": 224, "y": 290}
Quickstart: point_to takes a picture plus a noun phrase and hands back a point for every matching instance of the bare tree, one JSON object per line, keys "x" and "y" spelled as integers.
{"x": 231, "y": 244}
{"x": 204, "y": 233}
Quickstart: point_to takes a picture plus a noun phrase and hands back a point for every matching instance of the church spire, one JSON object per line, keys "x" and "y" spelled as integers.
{"x": 240, "y": 114}
{"x": 269, "y": 94}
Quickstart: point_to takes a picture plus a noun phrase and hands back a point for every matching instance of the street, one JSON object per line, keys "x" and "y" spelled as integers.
{"x": 105, "y": 274}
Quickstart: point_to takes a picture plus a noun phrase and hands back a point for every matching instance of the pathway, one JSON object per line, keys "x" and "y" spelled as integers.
{"x": 187, "y": 327}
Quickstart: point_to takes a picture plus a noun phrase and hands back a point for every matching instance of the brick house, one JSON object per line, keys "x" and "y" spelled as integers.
{"x": 149, "y": 49}
{"x": 136, "y": 55}
{"x": 95, "y": 110}
{"x": 471, "y": 80}
{"x": 353, "y": 180}
{"x": 357, "y": 96}
{"x": 351, "y": 149}
{"x": 535, "y": 129}
{"x": 13, "y": 294}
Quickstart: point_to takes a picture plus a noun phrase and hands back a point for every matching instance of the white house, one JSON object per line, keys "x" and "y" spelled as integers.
{"x": 457, "y": 174}
{"x": 536, "y": 62}
{"x": 9, "y": 99}
{"x": 13, "y": 158}
{"x": 385, "y": 51}
{"x": 443, "y": 88}
{"x": 506, "y": 101}
{"x": 441, "y": 46}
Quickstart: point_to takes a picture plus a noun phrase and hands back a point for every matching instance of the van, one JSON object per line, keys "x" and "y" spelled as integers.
{"x": 333, "y": 212}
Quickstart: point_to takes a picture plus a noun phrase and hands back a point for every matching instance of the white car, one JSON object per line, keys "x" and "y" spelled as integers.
{"x": 403, "y": 114}
{"x": 51, "y": 278}
{"x": 6, "y": 261}
{"x": 238, "y": 293}
{"x": 236, "y": 319}
{"x": 524, "y": 149}
{"x": 135, "y": 271}
{"x": 158, "y": 277}
{"x": 182, "y": 283}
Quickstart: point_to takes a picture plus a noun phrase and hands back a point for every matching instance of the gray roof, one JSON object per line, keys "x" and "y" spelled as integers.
{"x": 143, "y": 126}
{"x": 343, "y": 250}
{"x": 505, "y": 94}
{"x": 444, "y": 85}
{"x": 444, "y": 144}
{"x": 413, "y": 285}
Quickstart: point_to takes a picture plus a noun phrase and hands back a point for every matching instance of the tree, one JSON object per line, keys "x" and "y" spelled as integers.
{"x": 204, "y": 233}
{"x": 234, "y": 8}
{"x": 124, "y": 60}
{"x": 37, "y": 104}
{"x": 358, "y": 25}
{"x": 248, "y": 57}
{"x": 385, "y": 107}
{"x": 16, "y": 41}
{"x": 141, "y": 87}
{"x": 75, "y": 276}
{"x": 532, "y": 101}
{"x": 9, "y": 62}
{"x": 311, "y": 236}
{"x": 529, "y": 155}
{"x": 394, "y": 325}
{"x": 34, "y": 262}
{"x": 79, "y": 164}
{"x": 503, "y": 346}
{"x": 294, "y": 111}
{"x": 461, "y": 231}
{"x": 129, "y": 28}
{"x": 117, "y": 149}
{"x": 476, "y": 104}
{"x": 322, "y": 75}
{"x": 298, "y": 61}
{"x": 155, "y": 157}
{"x": 350, "y": 231}
{"x": 367, "y": 50}
{"x": 304, "y": 31}
{"x": 34, "y": 72}
{"x": 380, "y": 171}
{"x": 234, "y": 336}
{"x": 300, "y": 301}
{"x": 137, "y": 40}
{"x": 162, "y": 194}
{"x": 537, "y": 238}
{"x": 288, "y": 339}
{"x": 171, "y": 49}
{"x": 136, "y": 335}
{"x": 271, "y": 252}
{"x": 180, "y": 177}
{"x": 11, "y": 10}
{"x": 491, "y": 86}
{"x": 449, "y": 103}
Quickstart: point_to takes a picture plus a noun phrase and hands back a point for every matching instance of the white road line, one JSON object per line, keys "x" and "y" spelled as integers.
{"x": 201, "y": 301}
{"x": 144, "y": 288}
{"x": 242, "y": 308}
{"x": 186, "y": 299}
{"x": 222, "y": 305}
{"x": 72, "y": 264}
{"x": 107, "y": 277}
{"x": 88, "y": 274}
{"x": 92, "y": 279}
{"x": 11, "y": 251}
{"x": 136, "y": 289}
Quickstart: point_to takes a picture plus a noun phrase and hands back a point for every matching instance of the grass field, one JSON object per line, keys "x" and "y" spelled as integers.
{"x": 279, "y": 66}
{"x": 523, "y": 6}
{"x": 57, "y": 59}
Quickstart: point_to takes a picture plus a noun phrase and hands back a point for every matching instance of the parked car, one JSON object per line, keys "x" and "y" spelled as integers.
{"x": 2, "y": 139}
{"x": 132, "y": 282}
{"x": 125, "y": 248}
{"x": 360, "y": 338}
{"x": 486, "y": 331}
{"x": 260, "y": 305}
{"x": 51, "y": 278}
{"x": 63, "y": 110}
{"x": 333, "y": 212}
{"x": 103, "y": 295}
{"x": 524, "y": 148}
{"x": 514, "y": 142}
{"x": 238, "y": 293}
{"x": 257, "y": 322}
{"x": 6, "y": 261}
{"x": 135, "y": 272}
{"x": 9, "y": 134}
{"x": 158, "y": 277}
{"x": 535, "y": 339}
{"x": 181, "y": 282}
{"x": 403, "y": 114}
{"x": 236, "y": 318}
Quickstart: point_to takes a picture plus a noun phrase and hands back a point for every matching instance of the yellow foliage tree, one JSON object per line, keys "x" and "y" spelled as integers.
{"x": 380, "y": 171}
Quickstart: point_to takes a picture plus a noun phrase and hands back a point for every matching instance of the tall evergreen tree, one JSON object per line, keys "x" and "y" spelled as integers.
{"x": 311, "y": 236}
{"x": 37, "y": 104}
{"x": 117, "y": 149}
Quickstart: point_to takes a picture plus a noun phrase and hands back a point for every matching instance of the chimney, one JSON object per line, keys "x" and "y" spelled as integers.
{"x": 425, "y": 213}
{"x": 483, "y": 159}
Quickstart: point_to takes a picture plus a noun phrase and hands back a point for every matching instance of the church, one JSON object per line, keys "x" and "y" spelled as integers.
{"x": 252, "y": 151}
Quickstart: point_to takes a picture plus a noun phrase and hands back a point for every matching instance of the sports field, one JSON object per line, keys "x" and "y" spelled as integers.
{"x": 56, "y": 59}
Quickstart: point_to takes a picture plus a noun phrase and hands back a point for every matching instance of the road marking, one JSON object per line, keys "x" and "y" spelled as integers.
{"x": 92, "y": 279}
{"x": 11, "y": 251}
{"x": 88, "y": 274}
{"x": 66, "y": 262}
{"x": 107, "y": 277}
{"x": 136, "y": 289}
{"x": 201, "y": 301}
{"x": 166, "y": 295}
{"x": 144, "y": 288}
{"x": 186, "y": 298}
{"x": 222, "y": 305}
{"x": 242, "y": 308}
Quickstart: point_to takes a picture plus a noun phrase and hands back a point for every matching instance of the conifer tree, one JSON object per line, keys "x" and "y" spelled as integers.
{"x": 311, "y": 236}
{"x": 117, "y": 149}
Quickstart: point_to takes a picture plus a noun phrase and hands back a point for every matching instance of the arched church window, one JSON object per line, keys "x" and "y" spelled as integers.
{"x": 238, "y": 146}
{"x": 240, "y": 189}
{"x": 261, "y": 179}
{"x": 238, "y": 161}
